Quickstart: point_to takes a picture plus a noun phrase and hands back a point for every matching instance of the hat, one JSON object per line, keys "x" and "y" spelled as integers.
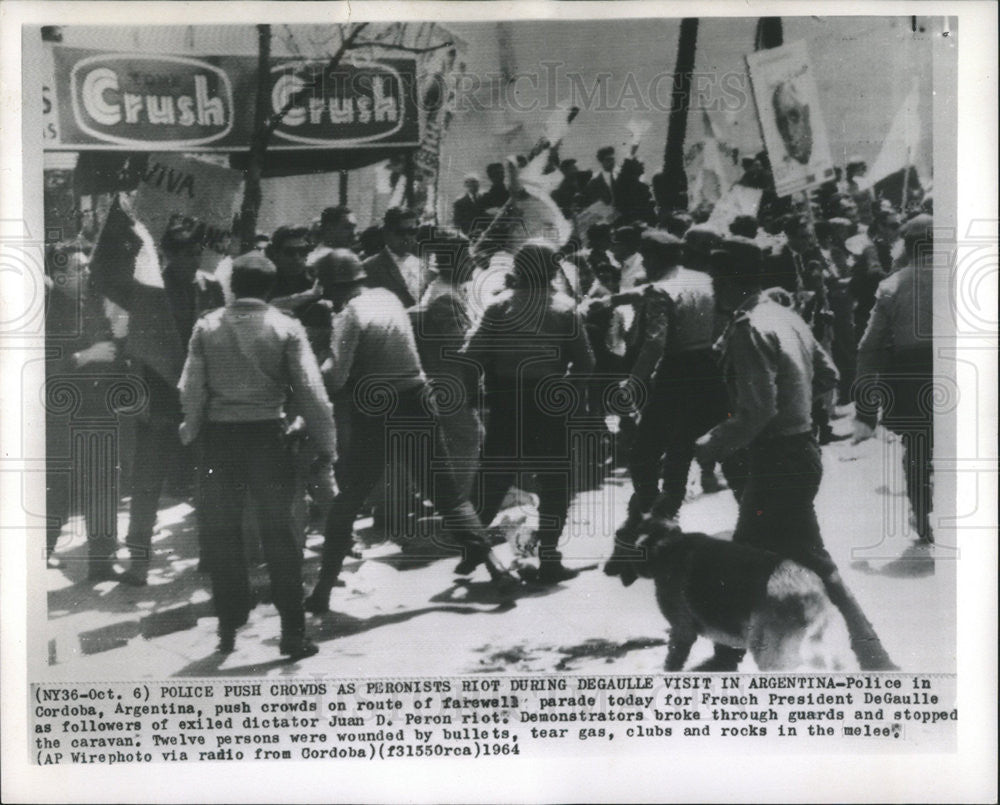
{"x": 254, "y": 261}
{"x": 661, "y": 243}
{"x": 738, "y": 257}
{"x": 628, "y": 235}
{"x": 336, "y": 266}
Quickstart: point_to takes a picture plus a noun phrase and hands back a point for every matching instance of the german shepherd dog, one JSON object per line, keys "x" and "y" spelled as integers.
{"x": 743, "y": 597}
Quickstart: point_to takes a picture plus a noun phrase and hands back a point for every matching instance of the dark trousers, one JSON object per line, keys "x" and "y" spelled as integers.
{"x": 523, "y": 436}
{"x": 687, "y": 399}
{"x": 918, "y": 457}
{"x": 910, "y": 414}
{"x": 401, "y": 444}
{"x": 777, "y": 514}
{"x": 242, "y": 458}
{"x": 158, "y": 450}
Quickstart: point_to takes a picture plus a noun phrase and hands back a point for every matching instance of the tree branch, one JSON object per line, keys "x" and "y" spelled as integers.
{"x": 296, "y": 98}
{"x": 403, "y": 48}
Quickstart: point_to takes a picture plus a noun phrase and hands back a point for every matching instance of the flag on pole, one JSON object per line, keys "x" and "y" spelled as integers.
{"x": 126, "y": 270}
{"x": 531, "y": 208}
{"x": 899, "y": 149}
{"x": 709, "y": 166}
{"x": 534, "y": 208}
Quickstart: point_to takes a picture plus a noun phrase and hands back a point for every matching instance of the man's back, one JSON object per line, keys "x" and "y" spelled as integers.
{"x": 693, "y": 309}
{"x": 244, "y": 348}
{"x": 771, "y": 359}
{"x": 372, "y": 337}
{"x": 530, "y": 336}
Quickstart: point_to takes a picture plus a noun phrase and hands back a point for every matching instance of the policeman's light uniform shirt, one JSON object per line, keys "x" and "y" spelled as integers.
{"x": 901, "y": 319}
{"x": 773, "y": 367}
{"x": 242, "y": 361}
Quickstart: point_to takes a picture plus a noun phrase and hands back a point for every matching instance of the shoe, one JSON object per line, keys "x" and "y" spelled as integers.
{"x": 917, "y": 560}
{"x": 317, "y": 604}
{"x": 102, "y": 571}
{"x": 297, "y": 646}
{"x": 134, "y": 575}
{"x": 227, "y": 641}
{"x": 506, "y": 583}
{"x": 53, "y": 562}
{"x": 556, "y": 573}
{"x": 467, "y": 565}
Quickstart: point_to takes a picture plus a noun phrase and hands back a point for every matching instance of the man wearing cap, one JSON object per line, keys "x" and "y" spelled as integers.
{"x": 158, "y": 451}
{"x": 467, "y": 208}
{"x": 675, "y": 363}
{"x": 897, "y": 349}
{"x": 397, "y": 268}
{"x": 375, "y": 368}
{"x": 774, "y": 369}
{"x": 247, "y": 362}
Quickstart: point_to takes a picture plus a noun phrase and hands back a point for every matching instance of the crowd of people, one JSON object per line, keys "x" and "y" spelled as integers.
{"x": 412, "y": 368}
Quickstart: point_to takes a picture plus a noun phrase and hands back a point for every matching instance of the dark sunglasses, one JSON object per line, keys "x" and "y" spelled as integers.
{"x": 299, "y": 250}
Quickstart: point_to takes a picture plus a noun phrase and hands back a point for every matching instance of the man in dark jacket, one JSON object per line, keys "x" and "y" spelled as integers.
{"x": 397, "y": 267}
{"x": 158, "y": 448}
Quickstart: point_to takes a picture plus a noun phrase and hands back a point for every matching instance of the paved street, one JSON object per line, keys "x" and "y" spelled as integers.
{"x": 399, "y": 615}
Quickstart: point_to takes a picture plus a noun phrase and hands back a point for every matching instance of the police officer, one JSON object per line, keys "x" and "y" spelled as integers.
{"x": 774, "y": 369}
{"x": 897, "y": 348}
{"x": 686, "y": 393}
{"x": 526, "y": 343}
{"x": 246, "y": 363}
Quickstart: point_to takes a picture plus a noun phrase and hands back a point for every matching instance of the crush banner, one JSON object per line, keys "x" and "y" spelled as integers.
{"x": 160, "y": 102}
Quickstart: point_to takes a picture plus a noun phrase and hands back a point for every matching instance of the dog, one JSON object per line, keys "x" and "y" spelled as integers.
{"x": 740, "y": 596}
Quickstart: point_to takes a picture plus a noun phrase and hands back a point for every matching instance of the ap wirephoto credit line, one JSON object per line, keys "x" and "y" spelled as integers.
{"x": 578, "y": 389}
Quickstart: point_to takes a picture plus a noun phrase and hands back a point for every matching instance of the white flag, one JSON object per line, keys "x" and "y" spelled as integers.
{"x": 899, "y": 148}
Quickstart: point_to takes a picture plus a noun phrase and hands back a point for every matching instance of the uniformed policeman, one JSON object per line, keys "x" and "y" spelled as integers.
{"x": 529, "y": 343}
{"x": 246, "y": 363}
{"x": 897, "y": 348}
{"x": 675, "y": 360}
{"x": 774, "y": 369}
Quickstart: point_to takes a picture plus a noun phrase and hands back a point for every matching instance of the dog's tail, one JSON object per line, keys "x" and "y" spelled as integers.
{"x": 813, "y": 632}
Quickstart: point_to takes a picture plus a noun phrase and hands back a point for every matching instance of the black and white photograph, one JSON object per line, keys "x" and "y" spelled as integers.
{"x": 560, "y": 383}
